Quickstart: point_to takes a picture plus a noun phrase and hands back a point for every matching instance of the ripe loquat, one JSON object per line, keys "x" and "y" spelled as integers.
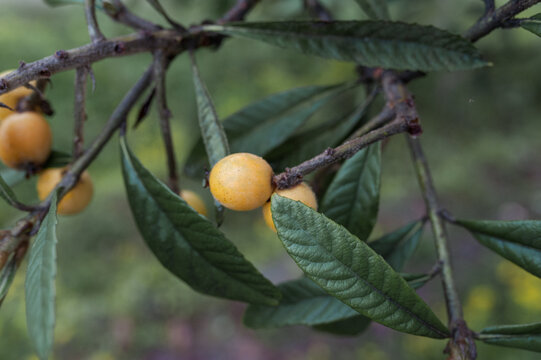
{"x": 301, "y": 192}
{"x": 75, "y": 200}
{"x": 12, "y": 98}
{"x": 241, "y": 181}
{"x": 25, "y": 139}
{"x": 194, "y": 201}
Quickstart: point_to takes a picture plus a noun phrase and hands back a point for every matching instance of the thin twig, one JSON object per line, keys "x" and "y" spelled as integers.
{"x": 294, "y": 175}
{"x": 165, "y": 116}
{"x": 121, "y": 14}
{"x": 495, "y": 19}
{"x": 461, "y": 345}
{"x": 238, "y": 11}
{"x": 79, "y": 111}
{"x": 318, "y": 10}
{"x": 384, "y": 116}
{"x": 93, "y": 29}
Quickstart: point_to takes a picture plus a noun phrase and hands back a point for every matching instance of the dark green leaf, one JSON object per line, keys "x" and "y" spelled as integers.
{"x": 187, "y": 244}
{"x": 352, "y": 198}
{"x": 348, "y": 327}
{"x": 525, "y": 336}
{"x": 99, "y": 3}
{"x": 375, "y": 9}
{"x": 517, "y": 241}
{"x": 284, "y": 112}
{"x": 212, "y": 131}
{"x": 416, "y": 281}
{"x": 533, "y": 24}
{"x": 371, "y": 43}
{"x": 6, "y": 192}
{"x": 6, "y": 277}
{"x": 303, "y": 303}
{"x": 308, "y": 144}
{"x": 398, "y": 246}
{"x": 58, "y": 159}
{"x": 40, "y": 285}
{"x": 350, "y": 270}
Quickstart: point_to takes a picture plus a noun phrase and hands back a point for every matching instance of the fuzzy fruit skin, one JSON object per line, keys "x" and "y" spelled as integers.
{"x": 75, "y": 200}
{"x": 241, "y": 181}
{"x": 25, "y": 138}
{"x": 194, "y": 201}
{"x": 301, "y": 192}
{"x": 12, "y": 98}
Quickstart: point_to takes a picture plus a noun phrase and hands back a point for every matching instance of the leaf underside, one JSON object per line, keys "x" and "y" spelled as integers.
{"x": 350, "y": 270}
{"x": 187, "y": 244}
{"x": 517, "y": 241}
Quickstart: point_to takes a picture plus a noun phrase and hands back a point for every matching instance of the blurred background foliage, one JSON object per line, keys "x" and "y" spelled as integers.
{"x": 114, "y": 300}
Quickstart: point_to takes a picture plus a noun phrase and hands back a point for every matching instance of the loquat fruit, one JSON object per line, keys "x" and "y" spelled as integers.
{"x": 12, "y": 98}
{"x": 301, "y": 192}
{"x": 241, "y": 181}
{"x": 75, "y": 200}
{"x": 194, "y": 201}
{"x": 25, "y": 138}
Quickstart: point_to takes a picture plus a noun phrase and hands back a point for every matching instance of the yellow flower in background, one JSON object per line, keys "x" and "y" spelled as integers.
{"x": 525, "y": 288}
{"x": 479, "y": 305}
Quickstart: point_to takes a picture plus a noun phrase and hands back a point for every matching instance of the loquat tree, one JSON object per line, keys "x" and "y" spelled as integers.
{"x": 264, "y": 156}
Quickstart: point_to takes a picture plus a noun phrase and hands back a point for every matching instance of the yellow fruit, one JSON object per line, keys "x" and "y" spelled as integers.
{"x": 25, "y": 138}
{"x": 194, "y": 201}
{"x": 301, "y": 192}
{"x": 75, "y": 200}
{"x": 241, "y": 181}
{"x": 12, "y": 98}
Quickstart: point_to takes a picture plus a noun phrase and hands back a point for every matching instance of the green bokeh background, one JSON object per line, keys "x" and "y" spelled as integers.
{"x": 114, "y": 301}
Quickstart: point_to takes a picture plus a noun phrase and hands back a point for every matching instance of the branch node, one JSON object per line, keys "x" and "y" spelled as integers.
{"x": 61, "y": 54}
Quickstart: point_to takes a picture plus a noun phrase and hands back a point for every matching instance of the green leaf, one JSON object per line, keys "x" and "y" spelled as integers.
{"x": 187, "y": 244}
{"x": 6, "y": 192}
{"x": 351, "y": 271}
{"x": 303, "y": 303}
{"x": 99, "y": 3}
{"x": 375, "y": 9}
{"x": 352, "y": 198}
{"x": 416, "y": 281}
{"x": 212, "y": 131}
{"x": 525, "y": 336}
{"x": 330, "y": 134}
{"x": 6, "y": 277}
{"x": 40, "y": 285}
{"x": 517, "y": 241}
{"x": 282, "y": 113}
{"x": 384, "y": 44}
{"x": 533, "y": 24}
{"x": 398, "y": 246}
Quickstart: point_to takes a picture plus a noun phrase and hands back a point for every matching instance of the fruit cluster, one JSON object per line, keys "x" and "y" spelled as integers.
{"x": 25, "y": 144}
{"x": 243, "y": 182}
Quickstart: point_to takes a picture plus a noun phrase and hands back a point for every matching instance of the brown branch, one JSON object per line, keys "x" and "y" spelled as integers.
{"x": 160, "y": 64}
{"x": 93, "y": 29}
{"x": 401, "y": 101}
{"x": 81, "y": 75}
{"x": 121, "y": 14}
{"x": 293, "y": 176}
{"x": 318, "y": 10}
{"x": 496, "y": 18}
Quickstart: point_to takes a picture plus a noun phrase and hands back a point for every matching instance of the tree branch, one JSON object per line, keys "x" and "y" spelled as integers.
{"x": 293, "y": 176}
{"x": 495, "y": 19}
{"x": 79, "y": 112}
{"x": 121, "y": 14}
{"x": 93, "y": 29}
{"x": 160, "y": 65}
